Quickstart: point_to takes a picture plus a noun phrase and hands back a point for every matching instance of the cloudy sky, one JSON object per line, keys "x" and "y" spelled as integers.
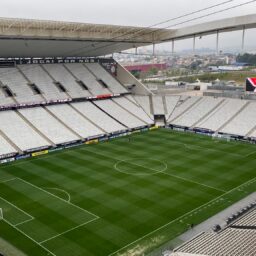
{"x": 122, "y": 12}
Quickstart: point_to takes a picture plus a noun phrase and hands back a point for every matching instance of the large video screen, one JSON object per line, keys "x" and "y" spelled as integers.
{"x": 251, "y": 84}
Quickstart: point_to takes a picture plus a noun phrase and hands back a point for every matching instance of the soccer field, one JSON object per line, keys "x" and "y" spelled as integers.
{"x": 121, "y": 197}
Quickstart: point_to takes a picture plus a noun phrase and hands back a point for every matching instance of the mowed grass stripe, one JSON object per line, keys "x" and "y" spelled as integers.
{"x": 130, "y": 206}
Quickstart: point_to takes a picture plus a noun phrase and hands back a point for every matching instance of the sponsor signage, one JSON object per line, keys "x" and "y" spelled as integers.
{"x": 39, "y": 153}
{"x": 153, "y": 128}
{"x": 74, "y": 145}
{"x": 92, "y": 142}
{"x": 7, "y": 155}
{"x": 8, "y": 160}
{"x": 56, "y": 149}
{"x": 103, "y": 139}
{"x": 23, "y": 157}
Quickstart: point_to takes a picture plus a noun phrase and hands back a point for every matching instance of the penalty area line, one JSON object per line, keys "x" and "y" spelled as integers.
{"x": 33, "y": 240}
{"x": 67, "y": 231}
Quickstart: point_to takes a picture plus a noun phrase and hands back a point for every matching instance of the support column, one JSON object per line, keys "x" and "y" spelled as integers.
{"x": 173, "y": 47}
{"x": 154, "y": 46}
{"x": 217, "y": 42}
{"x": 194, "y": 44}
{"x": 243, "y": 39}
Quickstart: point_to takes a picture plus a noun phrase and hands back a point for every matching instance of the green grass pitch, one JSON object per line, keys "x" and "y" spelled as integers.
{"x": 121, "y": 197}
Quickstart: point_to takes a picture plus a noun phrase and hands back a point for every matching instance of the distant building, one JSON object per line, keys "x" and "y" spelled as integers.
{"x": 139, "y": 68}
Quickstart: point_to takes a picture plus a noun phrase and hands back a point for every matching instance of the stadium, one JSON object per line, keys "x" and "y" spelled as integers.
{"x": 93, "y": 163}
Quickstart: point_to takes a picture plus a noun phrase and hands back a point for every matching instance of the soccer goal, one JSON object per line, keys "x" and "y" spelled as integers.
{"x": 218, "y": 137}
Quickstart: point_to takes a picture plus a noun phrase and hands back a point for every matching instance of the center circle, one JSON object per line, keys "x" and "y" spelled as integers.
{"x": 140, "y": 166}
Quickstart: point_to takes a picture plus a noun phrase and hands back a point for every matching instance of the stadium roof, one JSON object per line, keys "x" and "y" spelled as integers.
{"x": 38, "y": 38}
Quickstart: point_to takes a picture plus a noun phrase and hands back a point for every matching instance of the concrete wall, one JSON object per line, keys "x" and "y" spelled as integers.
{"x": 125, "y": 77}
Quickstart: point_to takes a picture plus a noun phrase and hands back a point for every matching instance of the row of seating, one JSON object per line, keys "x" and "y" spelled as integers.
{"x": 228, "y": 242}
{"x": 39, "y": 127}
{"x": 194, "y": 114}
{"x": 35, "y": 83}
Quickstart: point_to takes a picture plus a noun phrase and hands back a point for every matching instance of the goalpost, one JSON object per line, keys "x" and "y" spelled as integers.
{"x": 219, "y": 137}
{"x": 1, "y": 214}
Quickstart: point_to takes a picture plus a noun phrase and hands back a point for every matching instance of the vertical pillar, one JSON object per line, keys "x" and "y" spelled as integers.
{"x": 217, "y": 42}
{"x": 154, "y": 48}
{"x": 243, "y": 39}
{"x": 173, "y": 47}
{"x": 194, "y": 44}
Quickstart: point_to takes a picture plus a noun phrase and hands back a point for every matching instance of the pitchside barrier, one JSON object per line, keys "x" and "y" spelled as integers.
{"x": 210, "y": 133}
{"x": 94, "y": 140}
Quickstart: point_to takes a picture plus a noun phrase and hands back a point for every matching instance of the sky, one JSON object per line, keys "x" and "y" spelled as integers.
{"x": 122, "y": 12}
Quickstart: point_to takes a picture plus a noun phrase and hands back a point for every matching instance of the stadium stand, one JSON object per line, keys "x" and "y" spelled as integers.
{"x": 120, "y": 114}
{"x": 5, "y": 147}
{"x": 89, "y": 80}
{"x": 158, "y": 105}
{"x": 101, "y": 74}
{"x": 76, "y": 122}
{"x": 181, "y": 108}
{"x": 62, "y": 75}
{"x": 198, "y": 111}
{"x": 4, "y": 99}
{"x": 171, "y": 103}
{"x": 249, "y": 220}
{"x": 143, "y": 101}
{"x": 27, "y": 138}
{"x": 243, "y": 122}
{"x": 95, "y": 115}
{"x": 12, "y": 78}
{"x": 222, "y": 114}
{"x": 227, "y": 242}
{"x": 63, "y": 123}
{"x": 48, "y": 125}
{"x": 135, "y": 109}
{"x": 37, "y": 75}
{"x": 237, "y": 238}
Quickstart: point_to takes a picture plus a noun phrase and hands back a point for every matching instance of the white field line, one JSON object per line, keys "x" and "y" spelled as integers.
{"x": 196, "y": 147}
{"x": 63, "y": 191}
{"x": 45, "y": 191}
{"x": 67, "y": 231}
{"x": 181, "y": 217}
{"x": 191, "y": 181}
{"x": 5, "y": 181}
{"x": 40, "y": 243}
{"x": 23, "y": 222}
{"x": 250, "y": 154}
{"x": 156, "y": 172}
{"x": 23, "y": 233}
{"x": 30, "y": 217}
{"x": 140, "y": 174}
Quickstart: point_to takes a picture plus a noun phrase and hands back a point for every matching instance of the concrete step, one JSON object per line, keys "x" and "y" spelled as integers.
{"x": 188, "y": 108}
{"x": 85, "y": 117}
{"x": 53, "y": 80}
{"x": 64, "y": 124}
{"x": 10, "y": 142}
{"x": 209, "y": 113}
{"x": 96, "y": 78}
{"x": 233, "y": 117}
{"x": 34, "y": 128}
{"x": 30, "y": 82}
{"x": 129, "y": 112}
